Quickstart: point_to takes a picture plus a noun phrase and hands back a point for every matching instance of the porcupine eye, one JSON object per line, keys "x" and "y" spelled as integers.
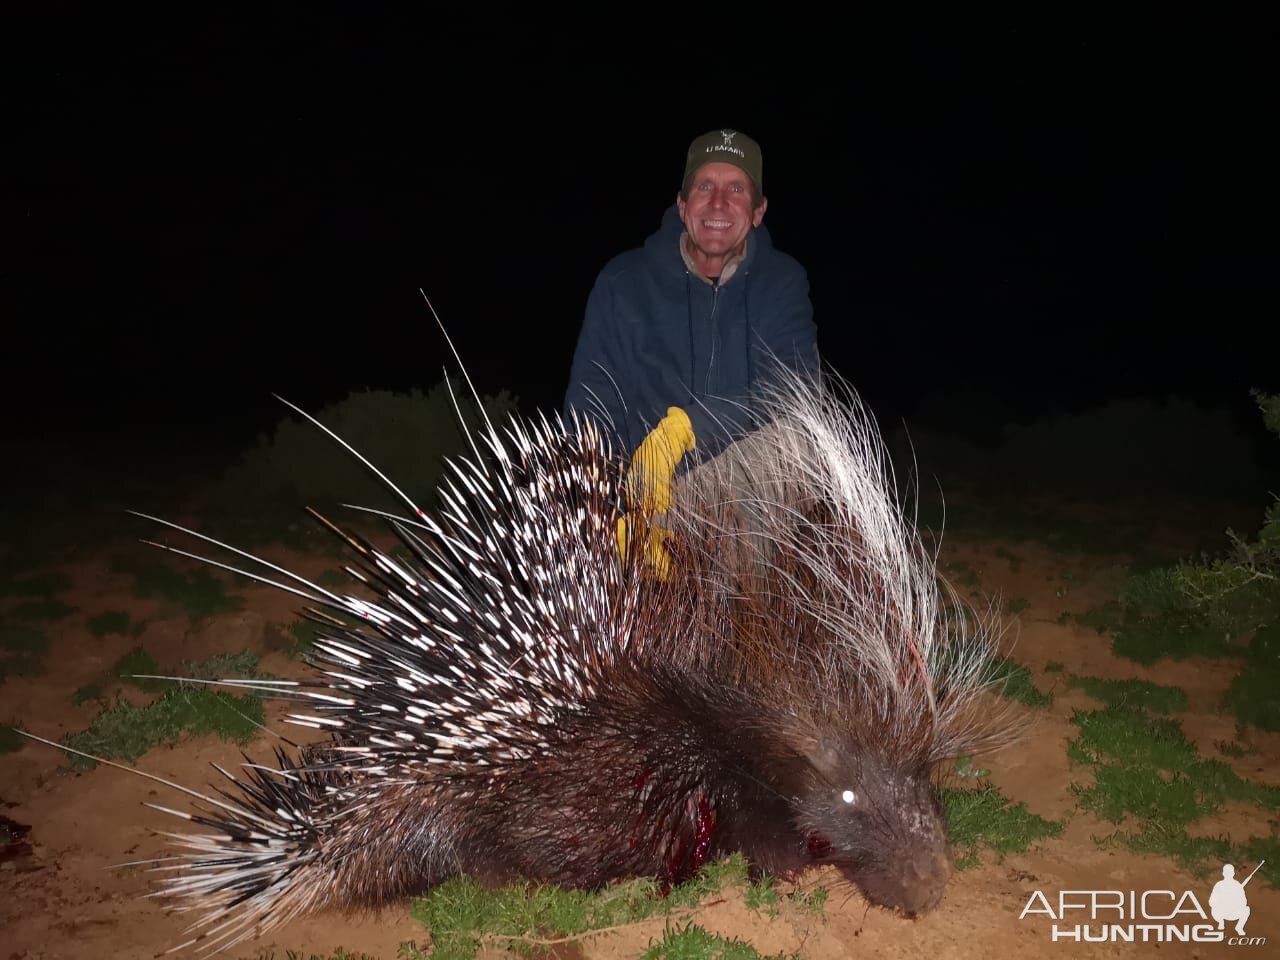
{"x": 849, "y": 796}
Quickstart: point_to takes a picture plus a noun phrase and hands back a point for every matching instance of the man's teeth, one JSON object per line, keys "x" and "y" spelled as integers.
{"x": 718, "y": 224}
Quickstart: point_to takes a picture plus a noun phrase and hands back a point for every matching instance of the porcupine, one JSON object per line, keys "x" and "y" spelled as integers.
{"x": 519, "y": 702}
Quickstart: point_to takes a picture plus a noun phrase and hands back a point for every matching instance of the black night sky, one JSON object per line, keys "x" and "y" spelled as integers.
{"x": 208, "y": 207}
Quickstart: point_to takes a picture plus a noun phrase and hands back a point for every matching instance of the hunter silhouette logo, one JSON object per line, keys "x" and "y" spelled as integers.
{"x": 1148, "y": 916}
{"x": 728, "y": 137}
{"x": 1228, "y": 902}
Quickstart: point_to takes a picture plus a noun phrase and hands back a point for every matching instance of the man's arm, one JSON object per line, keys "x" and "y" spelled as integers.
{"x": 787, "y": 334}
{"x": 596, "y": 376}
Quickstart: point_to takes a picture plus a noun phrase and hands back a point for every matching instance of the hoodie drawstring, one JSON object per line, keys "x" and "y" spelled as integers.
{"x": 688, "y": 307}
{"x": 746, "y": 333}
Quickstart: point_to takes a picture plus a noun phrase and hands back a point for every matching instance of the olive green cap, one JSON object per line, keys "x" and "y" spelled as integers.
{"x": 727, "y": 146}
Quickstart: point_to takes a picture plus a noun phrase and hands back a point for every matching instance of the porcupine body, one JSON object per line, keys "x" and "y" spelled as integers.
{"x": 516, "y": 701}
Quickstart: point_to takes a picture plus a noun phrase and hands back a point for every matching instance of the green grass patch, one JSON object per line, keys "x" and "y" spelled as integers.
{"x": 1101, "y": 619}
{"x": 1054, "y": 666}
{"x": 36, "y": 585}
{"x": 1253, "y": 698}
{"x": 1157, "y": 839}
{"x": 462, "y": 914}
{"x": 1132, "y": 693}
{"x": 41, "y": 611}
{"x": 1201, "y": 855}
{"x": 761, "y": 896}
{"x": 1138, "y": 450}
{"x": 1254, "y": 695}
{"x": 275, "y": 519}
{"x": 1061, "y": 531}
{"x": 1144, "y": 792}
{"x": 962, "y": 575}
{"x": 13, "y": 840}
{"x": 1018, "y": 684}
{"x": 1187, "y": 610}
{"x": 139, "y": 669}
{"x": 333, "y": 578}
{"x": 964, "y": 767}
{"x": 1145, "y": 634}
{"x": 1149, "y": 778}
{"x": 810, "y": 901}
{"x": 224, "y": 666}
{"x": 1017, "y": 605}
{"x": 199, "y": 593}
{"x": 10, "y": 739}
{"x": 407, "y": 434}
{"x": 112, "y": 621}
{"x": 338, "y": 954}
{"x": 1134, "y": 738}
{"x": 983, "y": 818}
{"x": 304, "y": 634}
{"x": 90, "y": 691}
{"x": 126, "y": 732}
{"x": 1148, "y": 640}
{"x": 1230, "y": 595}
{"x": 1258, "y": 849}
{"x": 22, "y": 650}
{"x": 137, "y": 664}
{"x": 1015, "y": 561}
{"x": 692, "y": 942}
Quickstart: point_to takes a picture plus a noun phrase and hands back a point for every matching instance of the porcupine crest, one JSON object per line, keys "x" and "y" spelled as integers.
{"x": 812, "y": 576}
{"x": 513, "y": 631}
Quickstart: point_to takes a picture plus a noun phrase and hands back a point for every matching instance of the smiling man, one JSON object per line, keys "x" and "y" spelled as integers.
{"x": 680, "y": 333}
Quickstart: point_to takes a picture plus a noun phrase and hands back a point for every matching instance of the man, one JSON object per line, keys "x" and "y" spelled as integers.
{"x": 695, "y": 317}
{"x": 681, "y": 333}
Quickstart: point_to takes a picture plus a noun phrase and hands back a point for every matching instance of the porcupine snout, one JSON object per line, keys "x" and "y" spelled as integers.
{"x": 913, "y": 873}
{"x": 884, "y": 829}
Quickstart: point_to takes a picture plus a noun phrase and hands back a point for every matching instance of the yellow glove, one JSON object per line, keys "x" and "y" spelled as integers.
{"x": 649, "y": 477}
{"x": 656, "y": 557}
{"x": 653, "y": 465}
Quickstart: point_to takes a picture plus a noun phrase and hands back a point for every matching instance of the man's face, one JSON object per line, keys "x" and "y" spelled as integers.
{"x": 718, "y": 213}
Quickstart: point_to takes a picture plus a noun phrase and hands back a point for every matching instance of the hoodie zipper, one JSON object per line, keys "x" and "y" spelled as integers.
{"x": 715, "y": 338}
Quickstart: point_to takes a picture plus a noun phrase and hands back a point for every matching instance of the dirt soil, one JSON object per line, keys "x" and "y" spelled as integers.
{"x": 62, "y": 898}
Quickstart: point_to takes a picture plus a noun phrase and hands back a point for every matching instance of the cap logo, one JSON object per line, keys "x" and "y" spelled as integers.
{"x": 727, "y": 146}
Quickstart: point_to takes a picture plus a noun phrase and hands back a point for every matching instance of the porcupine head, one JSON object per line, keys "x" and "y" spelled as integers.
{"x": 869, "y": 807}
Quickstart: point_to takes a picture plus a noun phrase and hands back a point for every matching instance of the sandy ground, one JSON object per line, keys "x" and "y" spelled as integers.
{"x": 64, "y": 899}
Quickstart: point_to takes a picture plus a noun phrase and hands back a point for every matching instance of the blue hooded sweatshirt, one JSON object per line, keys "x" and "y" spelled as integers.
{"x": 657, "y": 336}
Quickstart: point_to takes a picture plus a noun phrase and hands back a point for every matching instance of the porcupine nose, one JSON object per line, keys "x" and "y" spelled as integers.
{"x": 911, "y": 885}
{"x": 923, "y": 883}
